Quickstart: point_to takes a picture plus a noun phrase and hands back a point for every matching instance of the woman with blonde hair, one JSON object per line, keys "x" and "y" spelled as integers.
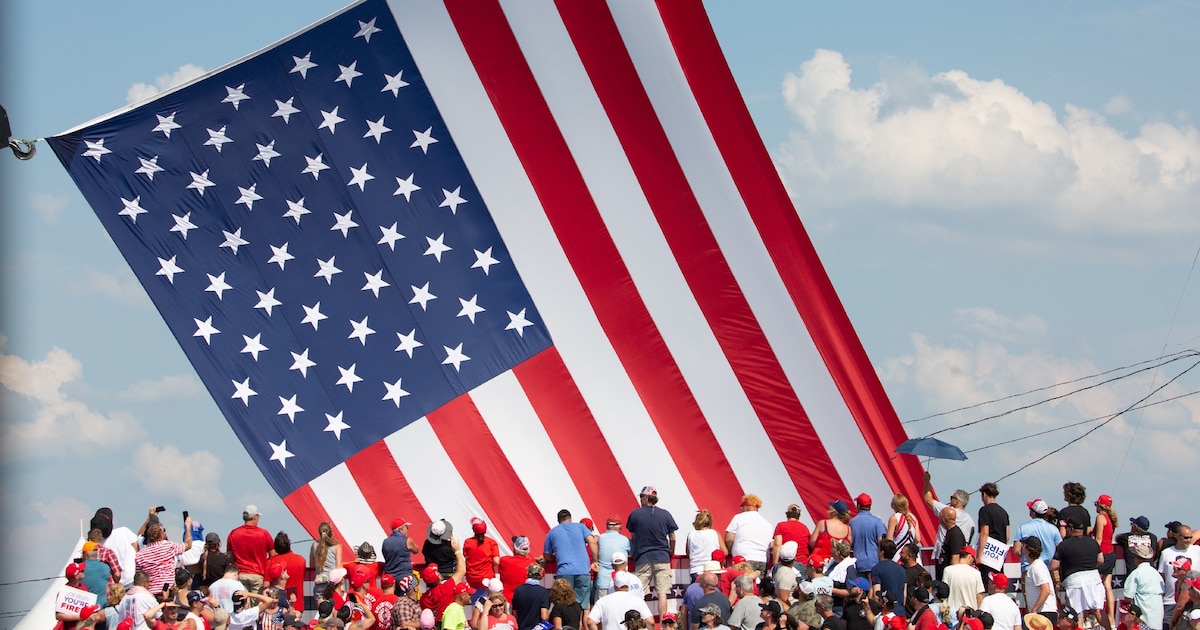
{"x": 702, "y": 541}
{"x": 902, "y": 526}
{"x": 829, "y": 530}
{"x": 326, "y": 555}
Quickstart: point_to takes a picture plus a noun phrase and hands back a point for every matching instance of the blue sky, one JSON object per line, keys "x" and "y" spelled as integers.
{"x": 1004, "y": 196}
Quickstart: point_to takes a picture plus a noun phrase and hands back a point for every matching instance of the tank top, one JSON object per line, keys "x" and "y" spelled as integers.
{"x": 903, "y": 534}
{"x": 824, "y": 546}
{"x": 1106, "y": 533}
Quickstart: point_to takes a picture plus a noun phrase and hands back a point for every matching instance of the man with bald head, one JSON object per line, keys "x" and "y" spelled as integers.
{"x": 952, "y": 543}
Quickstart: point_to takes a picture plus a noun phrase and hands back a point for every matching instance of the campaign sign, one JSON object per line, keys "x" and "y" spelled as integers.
{"x": 994, "y": 554}
{"x": 72, "y": 600}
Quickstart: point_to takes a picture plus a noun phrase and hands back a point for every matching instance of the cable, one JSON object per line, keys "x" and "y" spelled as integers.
{"x": 1039, "y": 389}
{"x": 1170, "y": 330}
{"x": 1102, "y": 424}
{"x": 1189, "y": 353}
{"x": 1075, "y": 424}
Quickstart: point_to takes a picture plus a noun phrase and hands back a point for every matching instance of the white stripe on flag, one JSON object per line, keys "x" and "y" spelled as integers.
{"x": 501, "y": 179}
{"x": 434, "y": 479}
{"x": 338, "y": 492}
{"x": 629, "y": 219}
{"x": 726, "y": 212}
{"x": 519, "y": 432}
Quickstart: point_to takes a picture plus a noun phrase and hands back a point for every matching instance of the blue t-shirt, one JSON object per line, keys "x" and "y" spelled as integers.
{"x": 568, "y": 542}
{"x": 651, "y": 527}
{"x": 866, "y": 529}
{"x": 1045, "y": 532}
{"x": 606, "y": 544}
{"x": 891, "y": 577}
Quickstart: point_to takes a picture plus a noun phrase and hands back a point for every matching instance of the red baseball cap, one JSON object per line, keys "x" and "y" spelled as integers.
{"x": 1000, "y": 580}
{"x": 387, "y": 580}
{"x": 718, "y": 555}
{"x": 737, "y": 560}
{"x": 588, "y": 523}
{"x": 430, "y": 574}
{"x": 399, "y": 522}
{"x": 462, "y": 587}
{"x": 357, "y": 579}
{"x": 74, "y": 570}
{"x": 274, "y": 572}
{"x": 1104, "y": 500}
{"x": 968, "y": 549}
{"x": 863, "y": 499}
{"x": 478, "y": 526}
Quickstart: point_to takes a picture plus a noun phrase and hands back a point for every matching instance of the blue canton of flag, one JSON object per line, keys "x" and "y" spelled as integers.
{"x": 304, "y": 224}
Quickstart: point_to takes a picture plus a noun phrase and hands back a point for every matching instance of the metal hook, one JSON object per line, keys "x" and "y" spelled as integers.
{"x": 23, "y": 149}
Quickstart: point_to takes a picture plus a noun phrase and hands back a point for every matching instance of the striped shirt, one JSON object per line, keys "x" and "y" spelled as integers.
{"x": 158, "y": 561}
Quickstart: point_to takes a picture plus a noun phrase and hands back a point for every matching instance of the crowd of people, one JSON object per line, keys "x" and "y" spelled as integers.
{"x": 851, "y": 571}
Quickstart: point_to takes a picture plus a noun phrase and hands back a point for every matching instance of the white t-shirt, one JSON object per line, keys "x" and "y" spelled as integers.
{"x": 752, "y": 535}
{"x": 1005, "y": 613}
{"x": 700, "y": 545}
{"x": 609, "y": 611}
{"x": 135, "y": 604}
{"x": 244, "y": 619}
{"x": 1035, "y": 576}
{"x": 121, "y": 540}
{"x": 223, "y": 589}
{"x": 965, "y": 585}
{"x": 1164, "y": 567}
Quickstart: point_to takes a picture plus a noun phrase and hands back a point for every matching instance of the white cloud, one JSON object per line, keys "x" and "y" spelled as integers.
{"x": 122, "y": 287}
{"x": 55, "y": 420}
{"x": 988, "y": 322}
{"x": 169, "y": 387}
{"x": 1119, "y": 104}
{"x": 969, "y": 147}
{"x": 194, "y": 477}
{"x": 940, "y": 375}
{"x": 141, "y": 91}
{"x": 49, "y": 205}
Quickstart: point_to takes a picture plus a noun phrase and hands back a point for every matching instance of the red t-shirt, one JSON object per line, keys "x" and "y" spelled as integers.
{"x": 369, "y": 569}
{"x": 480, "y": 557}
{"x": 383, "y": 606}
{"x": 438, "y": 598}
{"x": 797, "y": 532}
{"x": 248, "y": 547}
{"x": 513, "y": 573}
{"x": 294, "y": 564}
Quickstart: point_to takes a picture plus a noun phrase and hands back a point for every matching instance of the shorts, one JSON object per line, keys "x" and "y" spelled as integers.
{"x": 661, "y": 574}
{"x": 252, "y": 581}
{"x": 582, "y": 585}
{"x": 1110, "y": 563}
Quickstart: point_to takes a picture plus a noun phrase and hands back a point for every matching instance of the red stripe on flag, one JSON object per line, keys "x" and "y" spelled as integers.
{"x": 787, "y": 242}
{"x": 385, "y": 488}
{"x": 593, "y": 255}
{"x": 485, "y": 469}
{"x": 310, "y": 513}
{"x": 576, "y": 437}
{"x": 699, "y": 255}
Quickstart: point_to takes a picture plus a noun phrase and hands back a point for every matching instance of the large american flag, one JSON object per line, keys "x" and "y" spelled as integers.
{"x": 479, "y": 258}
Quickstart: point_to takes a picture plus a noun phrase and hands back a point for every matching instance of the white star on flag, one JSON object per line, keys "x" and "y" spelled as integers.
{"x": 217, "y": 284}
{"x": 361, "y": 330}
{"x": 349, "y": 378}
{"x": 408, "y": 342}
{"x": 470, "y": 308}
{"x": 406, "y": 187}
{"x": 132, "y": 208}
{"x": 216, "y": 138}
{"x": 452, "y": 200}
{"x": 313, "y": 315}
{"x": 296, "y": 210}
{"x": 455, "y": 357}
{"x": 236, "y": 95}
{"x": 390, "y": 236}
{"x": 266, "y": 152}
{"x": 360, "y": 177}
{"x": 95, "y": 149}
{"x": 484, "y": 260}
{"x": 205, "y": 329}
{"x": 437, "y": 247}
{"x": 200, "y": 181}
{"x": 253, "y": 345}
{"x": 284, "y": 110}
{"x": 330, "y": 120}
{"x": 280, "y": 255}
{"x": 375, "y": 282}
{"x": 344, "y": 223}
{"x": 166, "y": 124}
{"x": 394, "y": 392}
{"x": 315, "y": 166}
{"x": 248, "y": 197}
{"x": 394, "y": 83}
{"x": 336, "y": 426}
{"x": 303, "y": 65}
{"x": 234, "y": 240}
{"x": 279, "y": 453}
{"x": 183, "y": 224}
{"x": 301, "y": 363}
{"x": 168, "y": 268}
{"x": 422, "y": 296}
{"x": 267, "y": 301}
{"x": 424, "y": 139}
{"x": 327, "y": 270}
{"x": 376, "y": 130}
{"x": 289, "y": 408}
{"x": 367, "y": 29}
{"x": 242, "y": 390}
{"x": 517, "y": 322}
{"x": 348, "y": 73}
{"x": 149, "y": 167}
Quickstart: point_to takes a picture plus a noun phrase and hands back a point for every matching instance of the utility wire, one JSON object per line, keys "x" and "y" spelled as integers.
{"x": 1044, "y": 388}
{"x": 1189, "y": 353}
{"x": 1075, "y": 424}
{"x": 1170, "y": 329}
{"x": 1102, "y": 424}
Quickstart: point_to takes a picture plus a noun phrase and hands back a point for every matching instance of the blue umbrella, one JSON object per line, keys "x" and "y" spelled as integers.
{"x": 931, "y": 447}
